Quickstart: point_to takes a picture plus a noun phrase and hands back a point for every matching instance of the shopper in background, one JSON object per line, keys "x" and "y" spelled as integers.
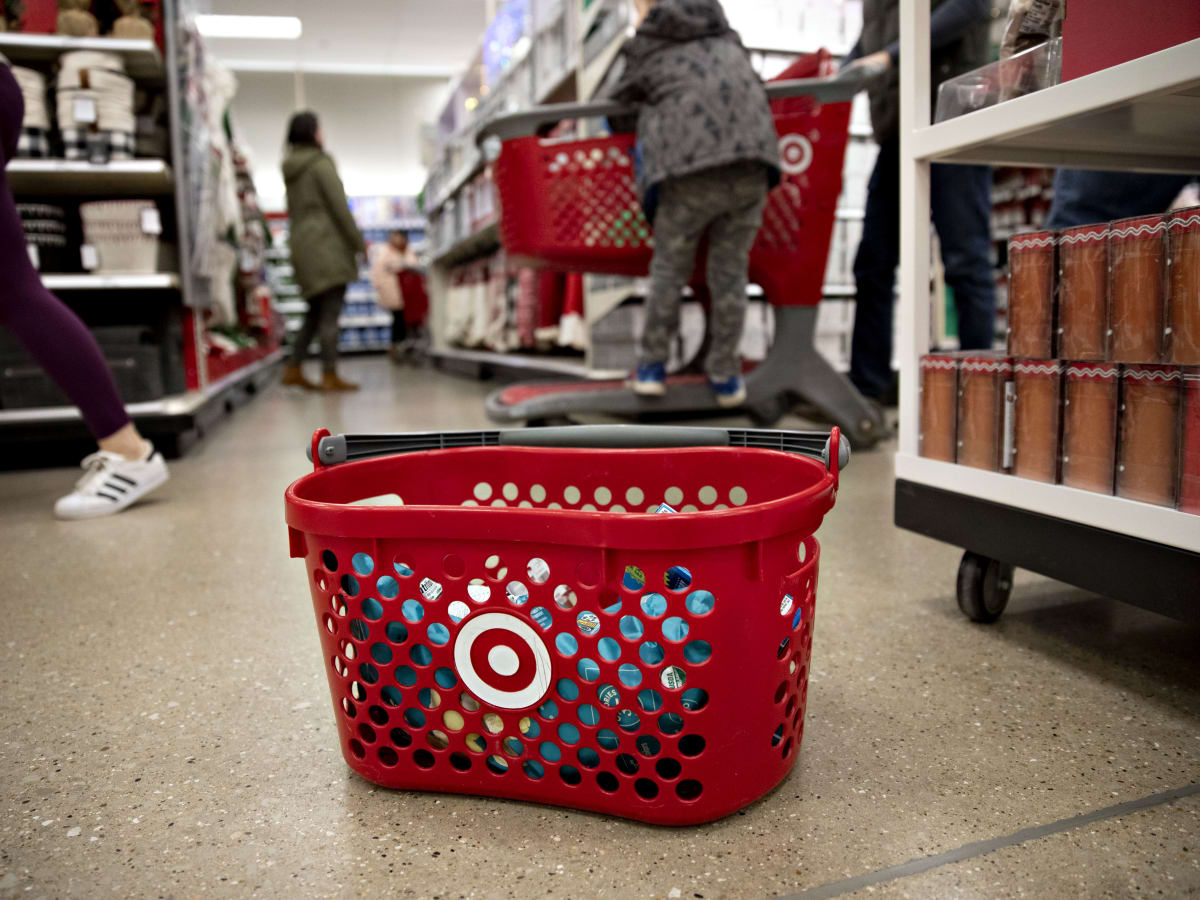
{"x": 708, "y": 154}
{"x": 325, "y": 244}
{"x": 126, "y": 467}
{"x": 390, "y": 260}
{"x": 960, "y": 195}
{"x": 1085, "y": 197}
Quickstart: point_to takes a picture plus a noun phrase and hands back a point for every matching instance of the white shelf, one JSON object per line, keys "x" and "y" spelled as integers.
{"x": 151, "y": 281}
{"x": 371, "y": 321}
{"x": 142, "y": 59}
{"x": 1152, "y": 523}
{"x": 145, "y": 177}
{"x": 1141, "y": 115}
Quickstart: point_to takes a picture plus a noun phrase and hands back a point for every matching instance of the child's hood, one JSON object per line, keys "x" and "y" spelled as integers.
{"x": 684, "y": 20}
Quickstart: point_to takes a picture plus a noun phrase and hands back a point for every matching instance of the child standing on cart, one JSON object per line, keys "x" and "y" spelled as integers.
{"x": 707, "y": 156}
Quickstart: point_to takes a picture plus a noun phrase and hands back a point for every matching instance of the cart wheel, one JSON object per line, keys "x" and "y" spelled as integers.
{"x": 983, "y": 587}
{"x": 767, "y": 413}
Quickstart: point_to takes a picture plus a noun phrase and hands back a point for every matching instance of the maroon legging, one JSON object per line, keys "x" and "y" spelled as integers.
{"x": 53, "y": 335}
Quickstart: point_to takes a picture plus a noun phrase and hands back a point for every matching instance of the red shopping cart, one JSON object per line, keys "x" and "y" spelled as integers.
{"x": 573, "y": 205}
{"x": 522, "y": 624}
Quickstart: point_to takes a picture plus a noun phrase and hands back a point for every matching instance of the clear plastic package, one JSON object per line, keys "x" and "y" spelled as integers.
{"x": 1083, "y": 293}
{"x": 1137, "y": 257}
{"x": 981, "y": 403}
{"x": 1148, "y": 457}
{"x": 1183, "y": 287}
{"x": 1089, "y": 442}
{"x": 1036, "y": 416}
{"x": 1031, "y": 295}
{"x": 1189, "y": 455}
{"x": 1023, "y": 73}
{"x": 939, "y": 407}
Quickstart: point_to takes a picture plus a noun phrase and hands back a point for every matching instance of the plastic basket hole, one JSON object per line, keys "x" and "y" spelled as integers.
{"x": 609, "y": 695}
{"x": 792, "y": 666}
{"x": 708, "y": 495}
{"x": 537, "y": 493}
{"x": 400, "y": 737}
{"x": 645, "y": 788}
{"x": 783, "y": 647}
{"x": 429, "y": 698}
{"x": 652, "y": 653}
{"x": 588, "y": 623}
{"x": 777, "y": 735}
{"x": 349, "y": 584}
{"x": 634, "y": 579}
{"x": 668, "y": 769}
{"x": 338, "y": 604}
{"x": 460, "y": 761}
{"x": 357, "y": 691}
{"x": 588, "y": 715}
{"x": 390, "y": 695}
{"x": 366, "y": 732}
{"x": 467, "y": 702}
{"x": 635, "y": 496}
{"x": 493, "y": 723}
{"x": 781, "y": 692}
{"x": 629, "y": 675}
{"x": 787, "y": 747}
{"x": 482, "y": 491}
{"x": 478, "y": 591}
{"x": 362, "y": 564}
{"x": 453, "y": 565}
{"x": 802, "y": 551}
{"x": 587, "y": 507}
{"x": 476, "y": 743}
{"x": 517, "y": 593}
{"x": 791, "y": 705}
{"x": 689, "y": 789}
{"x": 445, "y": 678}
{"x": 329, "y": 560}
{"x": 628, "y": 764}
{"x": 617, "y": 508}
{"x": 675, "y": 629}
{"x": 670, "y": 723}
{"x": 357, "y": 748}
{"x": 423, "y": 758}
{"x": 567, "y": 689}
{"x": 564, "y": 597}
{"x": 628, "y": 720}
{"x": 497, "y": 764}
{"x": 538, "y": 570}
{"x": 372, "y": 609}
{"x": 609, "y": 649}
{"x": 420, "y": 655}
{"x": 700, "y": 603}
{"x": 797, "y": 618}
{"x": 405, "y": 676}
{"x": 512, "y": 746}
{"x": 533, "y": 769}
{"x": 339, "y": 666}
{"x": 453, "y": 720}
{"x": 330, "y": 623}
{"x": 691, "y": 745}
{"x": 438, "y": 634}
{"x": 438, "y": 740}
{"x": 673, "y": 496}
{"x": 403, "y": 569}
{"x": 608, "y": 739}
{"x": 697, "y": 652}
{"x": 570, "y": 775}
{"x": 602, "y": 495}
{"x": 548, "y": 710}
{"x": 414, "y": 717}
{"x": 378, "y": 715}
{"x": 381, "y": 653}
{"x": 572, "y": 495}
{"x": 653, "y": 605}
{"x": 388, "y": 756}
{"x": 610, "y": 602}
{"x": 550, "y": 751}
{"x": 786, "y": 604}
{"x": 738, "y": 496}
{"x": 588, "y": 669}
{"x": 349, "y": 708}
{"x": 568, "y": 733}
{"x": 588, "y": 758}
{"x": 319, "y": 580}
{"x": 608, "y": 782}
{"x": 457, "y": 611}
{"x": 509, "y": 491}
{"x": 650, "y": 700}
{"x": 396, "y": 632}
{"x": 348, "y": 649}
{"x": 412, "y": 610}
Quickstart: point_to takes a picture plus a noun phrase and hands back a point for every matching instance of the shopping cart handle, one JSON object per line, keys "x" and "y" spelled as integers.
{"x": 340, "y": 448}
{"x": 839, "y": 88}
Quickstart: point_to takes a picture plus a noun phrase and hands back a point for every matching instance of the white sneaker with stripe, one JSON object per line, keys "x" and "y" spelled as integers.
{"x": 111, "y": 483}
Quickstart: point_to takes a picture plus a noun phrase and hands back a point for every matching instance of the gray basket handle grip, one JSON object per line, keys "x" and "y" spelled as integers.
{"x": 340, "y": 448}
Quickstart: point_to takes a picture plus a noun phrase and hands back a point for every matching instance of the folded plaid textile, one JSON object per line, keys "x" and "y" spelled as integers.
{"x": 78, "y": 143}
{"x": 34, "y": 143}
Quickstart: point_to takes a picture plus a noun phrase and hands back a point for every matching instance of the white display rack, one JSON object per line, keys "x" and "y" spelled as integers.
{"x": 143, "y": 62}
{"x": 114, "y": 282}
{"x": 127, "y": 178}
{"x": 1141, "y": 115}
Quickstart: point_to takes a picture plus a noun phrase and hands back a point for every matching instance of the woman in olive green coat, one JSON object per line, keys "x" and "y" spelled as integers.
{"x": 325, "y": 244}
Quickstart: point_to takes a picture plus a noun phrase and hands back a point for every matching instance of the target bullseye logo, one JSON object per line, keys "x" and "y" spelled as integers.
{"x": 795, "y": 154}
{"x": 502, "y": 661}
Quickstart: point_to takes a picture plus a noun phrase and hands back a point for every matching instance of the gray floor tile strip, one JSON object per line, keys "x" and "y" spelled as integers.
{"x": 980, "y": 848}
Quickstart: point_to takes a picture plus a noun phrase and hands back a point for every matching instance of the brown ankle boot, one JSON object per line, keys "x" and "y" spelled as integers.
{"x": 293, "y": 376}
{"x": 333, "y": 382}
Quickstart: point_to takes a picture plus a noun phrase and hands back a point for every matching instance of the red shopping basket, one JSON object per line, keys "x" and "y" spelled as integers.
{"x": 573, "y": 204}
{"x": 521, "y": 624}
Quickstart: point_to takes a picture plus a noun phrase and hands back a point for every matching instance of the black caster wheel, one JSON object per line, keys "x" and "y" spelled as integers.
{"x": 983, "y": 587}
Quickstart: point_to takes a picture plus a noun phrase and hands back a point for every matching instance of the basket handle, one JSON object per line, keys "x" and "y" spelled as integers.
{"x": 839, "y": 88}
{"x": 829, "y": 447}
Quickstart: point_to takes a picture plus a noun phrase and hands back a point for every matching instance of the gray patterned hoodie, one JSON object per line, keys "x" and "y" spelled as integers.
{"x": 701, "y": 104}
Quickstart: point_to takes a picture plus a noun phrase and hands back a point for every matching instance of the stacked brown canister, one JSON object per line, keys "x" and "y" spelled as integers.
{"x": 1099, "y": 388}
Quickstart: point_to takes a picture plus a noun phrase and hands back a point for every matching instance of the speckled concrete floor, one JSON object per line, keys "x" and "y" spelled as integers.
{"x": 165, "y": 727}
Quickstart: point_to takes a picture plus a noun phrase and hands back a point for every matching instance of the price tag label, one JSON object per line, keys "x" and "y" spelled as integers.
{"x": 85, "y": 110}
{"x": 35, "y": 255}
{"x": 89, "y": 257}
{"x": 151, "y": 221}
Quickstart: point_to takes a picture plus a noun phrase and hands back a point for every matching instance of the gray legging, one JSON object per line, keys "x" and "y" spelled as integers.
{"x": 321, "y": 322}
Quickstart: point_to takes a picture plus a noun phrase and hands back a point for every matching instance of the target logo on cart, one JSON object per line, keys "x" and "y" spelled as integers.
{"x": 502, "y": 661}
{"x": 795, "y": 154}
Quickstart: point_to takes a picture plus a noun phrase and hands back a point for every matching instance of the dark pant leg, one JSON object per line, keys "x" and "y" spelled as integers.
{"x": 1084, "y": 197}
{"x": 399, "y": 329}
{"x": 678, "y": 226}
{"x": 328, "y": 329}
{"x": 308, "y": 331}
{"x": 54, "y": 336}
{"x": 961, "y": 198}
{"x": 875, "y": 277}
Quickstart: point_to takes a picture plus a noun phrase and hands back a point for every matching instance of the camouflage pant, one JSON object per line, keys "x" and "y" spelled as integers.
{"x": 728, "y": 203}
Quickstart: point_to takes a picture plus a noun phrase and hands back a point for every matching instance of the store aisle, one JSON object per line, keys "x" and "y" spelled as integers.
{"x": 166, "y": 726}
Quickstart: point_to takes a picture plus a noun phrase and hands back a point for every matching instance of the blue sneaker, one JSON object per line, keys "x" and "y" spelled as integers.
{"x": 650, "y": 380}
{"x": 730, "y": 392}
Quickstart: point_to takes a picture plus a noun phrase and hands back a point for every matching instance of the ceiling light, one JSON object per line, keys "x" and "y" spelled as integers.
{"x": 281, "y": 28}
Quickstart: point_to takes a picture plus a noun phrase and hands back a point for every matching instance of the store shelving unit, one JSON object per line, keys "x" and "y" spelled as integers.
{"x": 163, "y": 281}
{"x": 1142, "y": 115}
{"x": 143, "y": 61}
{"x": 52, "y": 177}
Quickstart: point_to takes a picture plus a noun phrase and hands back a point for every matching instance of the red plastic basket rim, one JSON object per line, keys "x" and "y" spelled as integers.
{"x": 801, "y": 511}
